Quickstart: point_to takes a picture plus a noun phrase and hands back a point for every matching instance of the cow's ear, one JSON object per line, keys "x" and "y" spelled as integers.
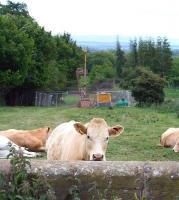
{"x": 80, "y": 128}
{"x": 115, "y": 130}
{"x": 48, "y": 129}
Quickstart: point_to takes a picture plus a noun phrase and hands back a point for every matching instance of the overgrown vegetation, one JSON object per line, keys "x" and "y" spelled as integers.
{"x": 147, "y": 87}
{"x": 20, "y": 185}
{"x": 33, "y": 59}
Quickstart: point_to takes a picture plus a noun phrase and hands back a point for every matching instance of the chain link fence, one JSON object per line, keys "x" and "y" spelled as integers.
{"x": 73, "y": 97}
{"x": 49, "y": 98}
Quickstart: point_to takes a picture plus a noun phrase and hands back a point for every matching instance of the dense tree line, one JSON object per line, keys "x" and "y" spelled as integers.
{"x": 154, "y": 55}
{"x": 148, "y": 65}
{"x": 144, "y": 69}
{"x": 30, "y": 57}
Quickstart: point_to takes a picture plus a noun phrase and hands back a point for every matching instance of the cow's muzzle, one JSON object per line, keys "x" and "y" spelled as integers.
{"x": 98, "y": 157}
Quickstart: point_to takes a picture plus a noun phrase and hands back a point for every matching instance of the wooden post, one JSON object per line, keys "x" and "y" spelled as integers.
{"x": 85, "y": 51}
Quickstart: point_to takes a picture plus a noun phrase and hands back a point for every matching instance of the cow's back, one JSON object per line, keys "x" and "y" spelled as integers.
{"x": 16, "y": 136}
{"x": 24, "y": 138}
{"x": 65, "y": 143}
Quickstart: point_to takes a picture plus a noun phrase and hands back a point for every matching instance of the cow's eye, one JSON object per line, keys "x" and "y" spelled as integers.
{"x": 88, "y": 136}
{"x": 107, "y": 138}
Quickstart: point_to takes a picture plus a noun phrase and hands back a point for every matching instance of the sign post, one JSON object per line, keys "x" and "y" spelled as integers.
{"x": 82, "y": 72}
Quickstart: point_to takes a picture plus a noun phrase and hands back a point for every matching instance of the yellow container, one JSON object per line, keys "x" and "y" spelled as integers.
{"x": 103, "y": 98}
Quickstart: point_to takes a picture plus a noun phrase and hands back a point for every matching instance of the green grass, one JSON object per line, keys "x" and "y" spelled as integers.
{"x": 171, "y": 92}
{"x": 143, "y": 127}
{"x": 71, "y": 99}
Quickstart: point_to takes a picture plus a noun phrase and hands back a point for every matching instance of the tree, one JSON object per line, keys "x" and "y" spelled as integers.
{"x": 69, "y": 57}
{"x": 128, "y": 76}
{"x": 31, "y": 58}
{"x": 120, "y": 59}
{"x": 156, "y": 56}
{"x": 14, "y": 9}
{"x": 100, "y": 58}
{"x": 43, "y": 57}
{"x": 163, "y": 57}
{"x": 102, "y": 67}
{"x": 133, "y": 55}
{"x": 146, "y": 52}
{"x": 173, "y": 77}
{"x": 16, "y": 50}
{"x": 101, "y": 73}
{"x": 167, "y": 57}
{"x": 148, "y": 87}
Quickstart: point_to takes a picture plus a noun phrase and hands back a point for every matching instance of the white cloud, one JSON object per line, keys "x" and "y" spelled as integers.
{"x": 107, "y": 17}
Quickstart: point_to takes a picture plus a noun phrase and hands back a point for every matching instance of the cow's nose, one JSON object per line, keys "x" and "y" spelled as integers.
{"x": 97, "y": 157}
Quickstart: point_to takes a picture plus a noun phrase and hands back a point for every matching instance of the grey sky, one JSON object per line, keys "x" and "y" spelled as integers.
{"x": 107, "y": 17}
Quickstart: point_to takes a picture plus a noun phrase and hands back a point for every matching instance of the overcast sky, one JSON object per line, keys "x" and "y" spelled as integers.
{"x": 107, "y": 17}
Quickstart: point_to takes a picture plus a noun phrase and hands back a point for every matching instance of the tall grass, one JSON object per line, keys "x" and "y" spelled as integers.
{"x": 171, "y": 93}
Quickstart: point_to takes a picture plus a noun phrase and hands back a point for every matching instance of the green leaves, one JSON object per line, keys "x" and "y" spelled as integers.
{"x": 14, "y": 8}
{"x": 120, "y": 59}
{"x": 148, "y": 87}
{"x": 32, "y": 58}
{"x": 157, "y": 56}
{"x": 69, "y": 57}
{"x": 20, "y": 185}
{"x": 15, "y": 52}
{"x": 102, "y": 66}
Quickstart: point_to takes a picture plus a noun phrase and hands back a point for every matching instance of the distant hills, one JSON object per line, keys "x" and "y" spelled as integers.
{"x": 102, "y": 42}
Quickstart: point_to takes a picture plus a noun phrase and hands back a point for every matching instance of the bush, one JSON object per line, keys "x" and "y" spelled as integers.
{"x": 148, "y": 87}
{"x": 128, "y": 76}
{"x": 20, "y": 185}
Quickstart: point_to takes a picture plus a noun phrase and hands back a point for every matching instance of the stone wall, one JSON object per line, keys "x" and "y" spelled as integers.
{"x": 110, "y": 179}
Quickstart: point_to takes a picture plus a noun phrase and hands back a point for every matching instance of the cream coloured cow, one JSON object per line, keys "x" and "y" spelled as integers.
{"x": 75, "y": 141}
{"x": 170, "y": 138}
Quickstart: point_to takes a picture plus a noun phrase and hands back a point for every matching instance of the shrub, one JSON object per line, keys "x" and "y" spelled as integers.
{"x": 128, "y": 77}
{"x": 148, "y": 87}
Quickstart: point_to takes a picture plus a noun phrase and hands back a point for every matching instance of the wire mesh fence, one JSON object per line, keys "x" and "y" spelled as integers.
{"x": 49, "y": 98}
{"x": 73, "y": 97}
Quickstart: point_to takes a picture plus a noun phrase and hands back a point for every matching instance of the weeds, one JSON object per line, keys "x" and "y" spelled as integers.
{"x": 143, "y": 192}
{"x": 20, "y": 185}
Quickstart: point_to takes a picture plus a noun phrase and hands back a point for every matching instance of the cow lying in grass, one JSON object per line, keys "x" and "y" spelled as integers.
{"x": 170, "y": 138}
{"x": 75, "y": 141}
{"x": 6, "y": 144}
{"x": 34, "y": 140}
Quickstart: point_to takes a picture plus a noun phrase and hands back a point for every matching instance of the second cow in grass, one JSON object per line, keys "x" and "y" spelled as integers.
{"x": 170, "y": 138}
{"x": 34, "y": 140}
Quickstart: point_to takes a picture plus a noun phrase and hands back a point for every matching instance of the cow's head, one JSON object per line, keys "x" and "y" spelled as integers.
{"x": 176, "y": 147}
{"x": 43, "y": 133}
{"x": 97, "y": 135}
